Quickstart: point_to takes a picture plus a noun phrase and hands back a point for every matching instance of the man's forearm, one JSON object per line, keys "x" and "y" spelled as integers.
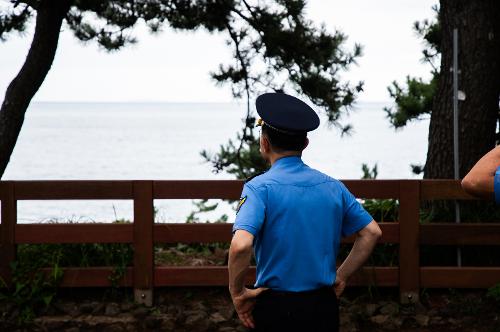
{"x": 480, "y": 180}
{"x": 361, "y": 250}
{"x": 239, "y": 260}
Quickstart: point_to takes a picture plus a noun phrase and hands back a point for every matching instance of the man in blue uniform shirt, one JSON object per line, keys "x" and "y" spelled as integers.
{"x": 483, "y": 180}
{"x": 294, "y": 217}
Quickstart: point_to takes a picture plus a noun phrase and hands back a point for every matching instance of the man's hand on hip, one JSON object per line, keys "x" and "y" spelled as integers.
{"x": 244, "y": 303}
{"x": 339, "y": 285}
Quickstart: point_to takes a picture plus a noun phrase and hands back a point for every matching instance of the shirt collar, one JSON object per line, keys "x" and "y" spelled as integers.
{"x": 287, "y": 161}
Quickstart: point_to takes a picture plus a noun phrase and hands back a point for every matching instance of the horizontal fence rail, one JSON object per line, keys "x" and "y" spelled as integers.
{"x": 408, "y": 233}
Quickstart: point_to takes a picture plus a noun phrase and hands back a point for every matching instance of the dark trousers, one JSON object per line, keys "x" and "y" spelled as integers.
{"x": 312, "y": 311}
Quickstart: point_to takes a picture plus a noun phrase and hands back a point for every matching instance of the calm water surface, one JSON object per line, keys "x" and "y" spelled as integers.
{"x": 107, "y": 141}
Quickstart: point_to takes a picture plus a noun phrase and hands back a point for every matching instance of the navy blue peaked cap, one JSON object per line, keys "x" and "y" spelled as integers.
{"x": 286, "y": 113}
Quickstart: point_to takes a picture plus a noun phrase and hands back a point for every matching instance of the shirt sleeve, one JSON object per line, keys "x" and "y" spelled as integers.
{"x": 355, "y": 216}
{"x": 496, "y": 185}
{"x": 251, "y": 211}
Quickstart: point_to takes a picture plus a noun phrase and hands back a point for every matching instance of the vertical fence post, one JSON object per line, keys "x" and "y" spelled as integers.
{"x": 7, "y": 238}
{"x": 143, "y": 242}
{"x": 409, "y": 249}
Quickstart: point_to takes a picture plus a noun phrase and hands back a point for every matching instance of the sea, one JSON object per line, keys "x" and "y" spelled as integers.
{"x": 163, "y": 141}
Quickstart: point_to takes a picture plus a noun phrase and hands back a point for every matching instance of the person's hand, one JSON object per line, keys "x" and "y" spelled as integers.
{"x": 244, "y": 303}
{"x": 339, "y": 285}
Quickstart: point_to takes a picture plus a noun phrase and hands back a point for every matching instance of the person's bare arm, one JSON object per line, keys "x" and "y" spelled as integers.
{"x": 243, "y": 298}
{"x": 479, "y": 181}
{"x": 240, "y": 253}
{"x": 363, "y": 246}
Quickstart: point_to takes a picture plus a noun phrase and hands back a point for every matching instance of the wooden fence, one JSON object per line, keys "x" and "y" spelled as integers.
{"x": 143, "y": 233}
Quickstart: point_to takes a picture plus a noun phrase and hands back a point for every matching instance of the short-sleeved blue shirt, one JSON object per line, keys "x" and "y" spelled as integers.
{"x": 297, "y": 215}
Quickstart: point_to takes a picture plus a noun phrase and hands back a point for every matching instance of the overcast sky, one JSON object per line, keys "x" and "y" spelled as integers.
{"x": 174, "y": 67}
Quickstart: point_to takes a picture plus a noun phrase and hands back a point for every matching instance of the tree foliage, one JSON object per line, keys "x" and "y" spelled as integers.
{"x": 14, "y": 20}
{"x": 414, "y": 98}
{"x": 279, "y": 50}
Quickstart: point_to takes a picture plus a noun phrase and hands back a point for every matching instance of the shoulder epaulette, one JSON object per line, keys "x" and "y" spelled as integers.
{"x": 253, "y": 176}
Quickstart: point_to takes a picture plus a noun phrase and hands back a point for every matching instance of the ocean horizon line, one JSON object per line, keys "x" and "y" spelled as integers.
{"x": 173, "y": 102}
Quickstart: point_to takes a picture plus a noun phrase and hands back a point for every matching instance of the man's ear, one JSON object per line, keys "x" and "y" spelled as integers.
{"x": 265, "y": 145}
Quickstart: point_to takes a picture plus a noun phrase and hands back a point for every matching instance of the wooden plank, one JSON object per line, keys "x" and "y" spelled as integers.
{"x": 192, "y": 233}
{"x": 143, "y": 241}
{"x": 218, "y": 276}
{"x": 175, "y": 189}
{"x": 373, "y": 188}
{"x": 78, "y": 189}
{"x": 459, "y": 277}
{"x": 92, "y": 277}
{"x": 209, "y": 233}
{"x": 74, "y": 233}
{"x": 409, "y": 254}
{"x": 375, "y": 276}
{"x": 390, "y": 233}
{"x": 442, "y": 189}
{"x": 196, "y": 276}
{"x": 431, "y": 277}
{"x": 460, "y": 234}
{"x": 7, "y": 237}
{"x": 4, "y": 270}
{"x": 193, "y": 189}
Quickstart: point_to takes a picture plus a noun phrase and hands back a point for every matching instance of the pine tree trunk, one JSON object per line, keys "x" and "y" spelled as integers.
{"x": 23, "y": 87}
{"x": 478, "y": 24}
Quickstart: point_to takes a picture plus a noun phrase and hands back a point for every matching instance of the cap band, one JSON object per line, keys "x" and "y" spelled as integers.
{"x": 261, "y": 122}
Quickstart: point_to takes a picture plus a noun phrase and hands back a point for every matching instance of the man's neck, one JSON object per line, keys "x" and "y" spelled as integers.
{"x": 275, "y": 156}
